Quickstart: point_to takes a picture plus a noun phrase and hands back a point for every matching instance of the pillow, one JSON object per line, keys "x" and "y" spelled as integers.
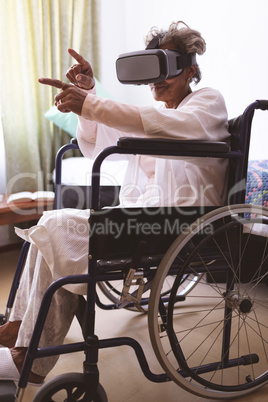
{"x": 257, "y": 183}
{"x": 68, "y": 121}
{"x": 65, "y": 121}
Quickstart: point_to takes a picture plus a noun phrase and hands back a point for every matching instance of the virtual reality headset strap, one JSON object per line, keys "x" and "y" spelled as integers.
{"x": 183, "y": 60}
{"x": 154, "y": 43}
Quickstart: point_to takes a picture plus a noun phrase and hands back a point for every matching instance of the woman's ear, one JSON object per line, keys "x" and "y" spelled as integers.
{"x": 191, "y": 72}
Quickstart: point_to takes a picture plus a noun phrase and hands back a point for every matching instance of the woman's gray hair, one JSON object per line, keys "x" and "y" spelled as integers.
{"x": 183, "y": 38}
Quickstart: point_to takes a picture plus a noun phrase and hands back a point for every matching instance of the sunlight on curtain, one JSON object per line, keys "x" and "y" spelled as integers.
{"x": 35, "y": 36}
{"x": 3, "y": 229}
{"x": 2, "y": 161}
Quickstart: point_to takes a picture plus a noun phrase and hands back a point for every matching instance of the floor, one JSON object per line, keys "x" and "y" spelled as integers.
{"x": 120, "y": 374}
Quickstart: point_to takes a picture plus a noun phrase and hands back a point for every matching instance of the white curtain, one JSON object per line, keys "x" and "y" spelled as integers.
{"x": 3, "y": 229}
{"x": 2, "y": 162}
{"x": 34, "y": 38}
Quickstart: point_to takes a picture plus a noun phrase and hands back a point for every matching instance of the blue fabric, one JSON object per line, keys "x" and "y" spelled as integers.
{"x": 257, "y": 183}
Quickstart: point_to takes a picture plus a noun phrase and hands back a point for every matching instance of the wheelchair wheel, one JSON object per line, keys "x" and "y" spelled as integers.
{"x": 215, "y": 343}
{"x": 69, "y": 387}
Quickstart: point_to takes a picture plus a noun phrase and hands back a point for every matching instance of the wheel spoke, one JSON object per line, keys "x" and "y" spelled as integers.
{"x": 215, "y": 343}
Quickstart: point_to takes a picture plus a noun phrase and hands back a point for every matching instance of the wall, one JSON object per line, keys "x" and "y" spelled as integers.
{"x": 236, "y": 60}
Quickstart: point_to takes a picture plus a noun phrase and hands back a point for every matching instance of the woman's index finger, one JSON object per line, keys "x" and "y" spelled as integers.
{"x": 54, "y": 83}
{"x": 80, "y": 59}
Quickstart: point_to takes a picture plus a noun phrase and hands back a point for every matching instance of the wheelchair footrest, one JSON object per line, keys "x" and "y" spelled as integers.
{"x": 7, "y": 391}
{"x": 133, "y": 278}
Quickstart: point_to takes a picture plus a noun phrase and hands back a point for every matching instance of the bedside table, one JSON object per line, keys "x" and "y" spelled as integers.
{"x": 22, "y": 212}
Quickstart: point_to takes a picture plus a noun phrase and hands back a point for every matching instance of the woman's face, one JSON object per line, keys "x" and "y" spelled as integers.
{"x": 172, "y": 91}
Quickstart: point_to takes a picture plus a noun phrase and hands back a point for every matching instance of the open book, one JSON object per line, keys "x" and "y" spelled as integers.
{"x": 27, "y": 196}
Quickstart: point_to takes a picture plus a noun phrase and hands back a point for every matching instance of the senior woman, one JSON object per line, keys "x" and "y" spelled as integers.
{"x": 58, "y": 249}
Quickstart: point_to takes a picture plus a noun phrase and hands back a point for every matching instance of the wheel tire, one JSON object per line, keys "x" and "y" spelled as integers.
{"x": 69, "y": 387}
{"x": 181, "y": 345}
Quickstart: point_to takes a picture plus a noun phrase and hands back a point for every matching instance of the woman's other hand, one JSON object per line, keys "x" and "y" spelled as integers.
{"x": 81, "y": 74}
{"x": 70, "y": 99}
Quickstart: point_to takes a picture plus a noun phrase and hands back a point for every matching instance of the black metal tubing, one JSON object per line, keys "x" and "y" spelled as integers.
{"x": 244, "y": 138}
{"x": 33, "y": 352}
{"x": 95, "y": 180}
{"x": 208, "y": 368}
{"x": 18, "y": 272}
{"x": 25, "y": 247}
{"x": 126, "y": 341}
{"x": 242, "y": 154}
{"x": 246, "y": 122}
{"x": 58, "y": 170}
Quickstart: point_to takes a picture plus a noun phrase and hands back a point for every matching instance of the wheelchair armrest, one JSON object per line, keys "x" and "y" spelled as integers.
{"x": 170, "y": 145}
{"x": 156, "y": 147}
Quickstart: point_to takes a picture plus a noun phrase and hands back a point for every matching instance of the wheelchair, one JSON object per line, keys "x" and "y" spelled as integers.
{"x": 203, "y": 283}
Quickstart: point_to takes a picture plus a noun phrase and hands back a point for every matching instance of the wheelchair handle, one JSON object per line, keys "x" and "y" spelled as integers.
{"x": 263, "y": 104}
{"x": 58, "y": 171}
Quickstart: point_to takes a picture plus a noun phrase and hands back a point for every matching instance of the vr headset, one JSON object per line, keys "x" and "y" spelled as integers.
{"x": 152, "y": 65}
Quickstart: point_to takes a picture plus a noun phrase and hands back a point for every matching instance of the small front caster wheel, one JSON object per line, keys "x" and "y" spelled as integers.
{"x": 70, "y": 387}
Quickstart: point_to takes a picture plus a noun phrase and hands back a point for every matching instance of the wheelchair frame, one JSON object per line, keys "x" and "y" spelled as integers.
{"x": 136, "y": 257}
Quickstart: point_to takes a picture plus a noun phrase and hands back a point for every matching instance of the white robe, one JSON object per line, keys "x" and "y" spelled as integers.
{"x": 59, "y": 242}
{"x": 151, "y": 181}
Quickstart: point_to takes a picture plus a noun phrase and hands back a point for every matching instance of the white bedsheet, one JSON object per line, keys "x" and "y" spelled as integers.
{"x": 77, "y": 171}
